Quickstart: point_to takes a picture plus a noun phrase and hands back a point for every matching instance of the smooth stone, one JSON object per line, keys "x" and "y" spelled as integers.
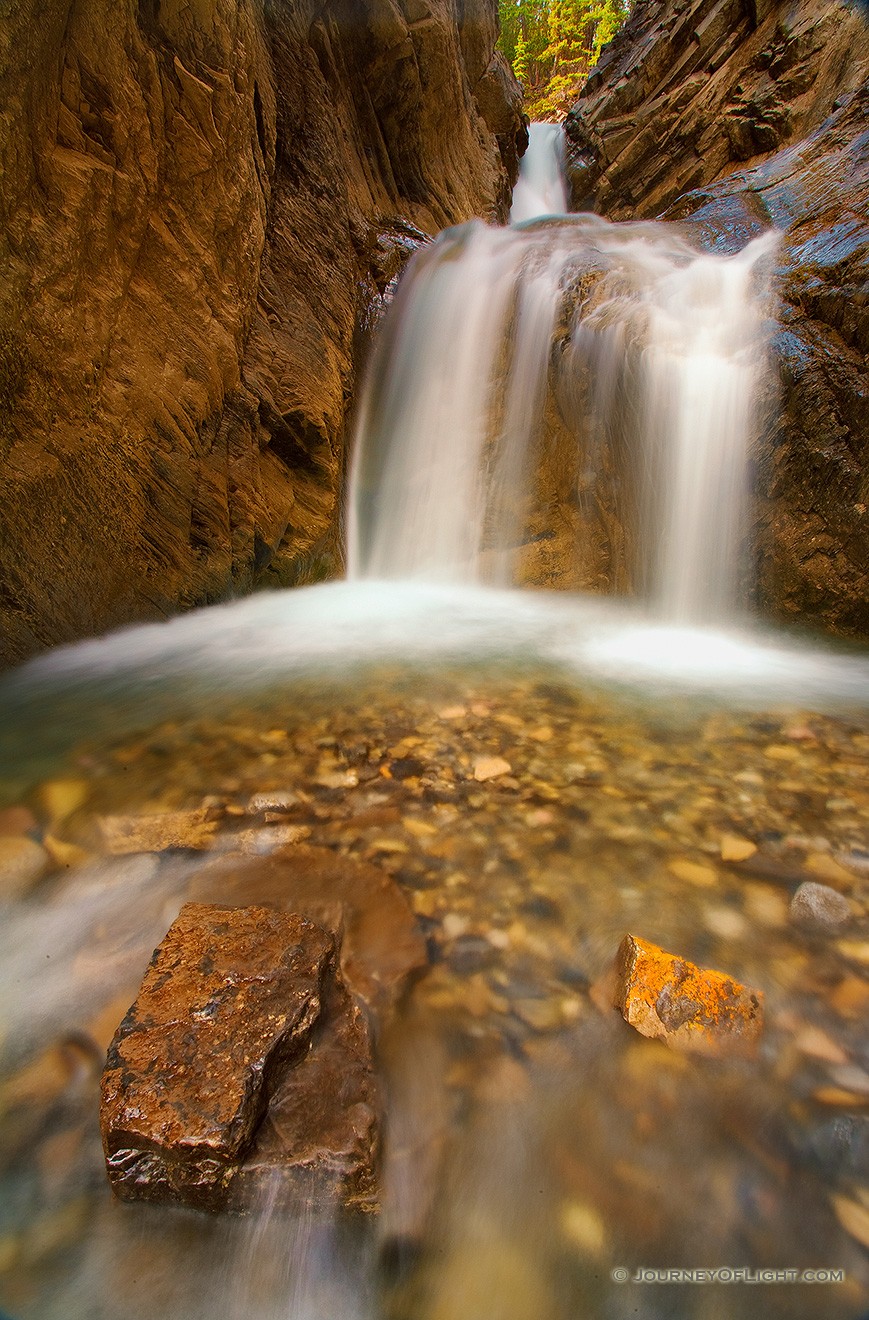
{"x": 841, "y": 1145}
{"x": 695, "y": 873}
{"x": 490, "y": 767}
{"x": 817, "y": 907}
{"x": 22, "y": 862}
{"x": 16, "y": 820}
{"x": 380, "y": 945}
{"x": 61, "y": 797}
{"x": 276, "y": 801}
{"x": 735, "y": 849}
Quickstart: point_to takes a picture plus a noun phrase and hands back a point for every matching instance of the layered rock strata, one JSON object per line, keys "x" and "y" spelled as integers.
{"x": 733, "y": 119}
{"x": 199, "y": 204}
{"x": 690, "y": 90}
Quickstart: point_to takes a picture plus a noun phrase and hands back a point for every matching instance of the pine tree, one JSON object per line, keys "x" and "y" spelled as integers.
{"x": 552, "y": 45}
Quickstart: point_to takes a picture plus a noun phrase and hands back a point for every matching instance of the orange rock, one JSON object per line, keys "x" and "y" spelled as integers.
{"x": 692, "y": 1009}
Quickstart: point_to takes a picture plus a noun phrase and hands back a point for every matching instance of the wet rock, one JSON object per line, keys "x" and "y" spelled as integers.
{"x": 695, "y": 873}
{"x": 853, "y": 1217}
{"x": 22, "y": 862}
{"x": 841, "y": 1146}
{"x": 61, "y": 797}
{"x": 278, "y": 801}
{"x": 267, "y": 838}
{"x": 380, "y": 945}
{"x": 319, "y": 1140}
{"x": 735, "y": 849}
{"x": 228, "y": 1001}
{"x": 690, "y": 1008}
{"x": 65, "y": 854}
{"x": 490, "y": 767}
{"x": 682, "y": 96}
{"x": 818, "y": 908}
{"x": 172, "y": 829}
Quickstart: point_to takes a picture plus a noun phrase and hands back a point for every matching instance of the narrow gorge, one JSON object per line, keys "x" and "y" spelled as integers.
{"x": 434, "y": 881}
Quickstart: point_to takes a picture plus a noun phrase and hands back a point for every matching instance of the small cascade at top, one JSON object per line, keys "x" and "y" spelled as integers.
{"x": 646, "y": 351}
{"x": 540, "y": 188}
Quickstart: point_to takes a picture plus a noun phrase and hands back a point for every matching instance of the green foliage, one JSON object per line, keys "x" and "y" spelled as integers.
{"x": 553, "y": 44}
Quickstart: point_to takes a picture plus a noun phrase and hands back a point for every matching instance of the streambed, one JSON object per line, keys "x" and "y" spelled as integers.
{"x": 535, "y": 1143}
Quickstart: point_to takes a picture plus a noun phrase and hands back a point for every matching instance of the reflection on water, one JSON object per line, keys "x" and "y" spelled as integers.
{"x": 534, "y": 1142}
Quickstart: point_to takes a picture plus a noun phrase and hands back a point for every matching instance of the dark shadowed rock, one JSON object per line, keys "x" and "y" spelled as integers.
{"x": 380, "y": 945}
{"x": 228, "y": 1002}
{"x": 319, "y": 1140}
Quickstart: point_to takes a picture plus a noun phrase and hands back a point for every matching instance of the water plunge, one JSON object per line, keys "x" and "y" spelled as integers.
{"x": 666, "y": 344}
{"x": 534, "y": 1143}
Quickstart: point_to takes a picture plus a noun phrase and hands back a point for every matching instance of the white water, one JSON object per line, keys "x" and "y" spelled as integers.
{"x": 540, "y": 189}
{"x": 454, "y": 407}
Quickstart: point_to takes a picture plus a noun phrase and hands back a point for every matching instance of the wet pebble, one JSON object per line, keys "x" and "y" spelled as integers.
{"x": 22, "y": 862}
{"x": 818, "y": 908}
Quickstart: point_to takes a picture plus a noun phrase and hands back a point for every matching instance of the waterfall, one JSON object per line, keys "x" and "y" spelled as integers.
{"x": 540, "y": 188}
{"x": 454, "y": 412}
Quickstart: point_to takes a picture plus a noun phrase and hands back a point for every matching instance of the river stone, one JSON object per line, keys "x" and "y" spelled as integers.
{"x": 22, "y": 862}
{"x": 228, "y": 1001}
{"x": 818, "y": 908}
{"x": 380, "y": 945}
{"x": 688, "y": 1007}
{"x": 318, "y": 1142}
{"x": 172, "y": 829}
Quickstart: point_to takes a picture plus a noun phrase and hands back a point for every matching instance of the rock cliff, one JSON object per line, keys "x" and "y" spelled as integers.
{"x": 732, "y": 117}
{"x": 202, "y": 204}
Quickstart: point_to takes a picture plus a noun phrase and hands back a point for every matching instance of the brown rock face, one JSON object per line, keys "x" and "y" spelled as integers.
{"x": 811, "y": 528}
{"x": 688, "y": 91}
{"x": 230, "y": 998}
{"x": 731, "y": 120}
{"x": 198, "y": 205}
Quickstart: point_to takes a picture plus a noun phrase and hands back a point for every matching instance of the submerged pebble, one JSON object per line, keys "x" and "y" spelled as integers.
{"x": 817, "y": 907}
{"x": 524, "y": 826}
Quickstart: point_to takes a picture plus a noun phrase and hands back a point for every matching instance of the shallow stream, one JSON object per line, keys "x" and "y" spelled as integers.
{"x": 535, "y": 1142}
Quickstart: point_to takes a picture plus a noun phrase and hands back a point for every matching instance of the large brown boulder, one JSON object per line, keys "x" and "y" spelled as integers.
{"x": 243, "y": 1072}
{"x": 733, "y": 119}
{"x": 198, "y": 204}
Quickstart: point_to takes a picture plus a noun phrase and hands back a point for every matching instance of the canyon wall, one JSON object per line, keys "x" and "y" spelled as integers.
{"x": 731, "y": 117}
{"x": 203, "y": 206}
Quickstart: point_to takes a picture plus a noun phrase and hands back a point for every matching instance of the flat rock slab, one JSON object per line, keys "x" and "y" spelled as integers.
{"x": 318, "y": 1142}
{"x": 228, "y": 1002}
{"x": 172, "y": 829}
{"x": 380, "y": 944}
{"x": 690, "y": 1008}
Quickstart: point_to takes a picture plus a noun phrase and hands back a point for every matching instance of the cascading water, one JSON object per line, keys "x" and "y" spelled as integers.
{"x": 540, "y": 189}
{"x": 535, "y": 774}
{"x": 454, "y": 407}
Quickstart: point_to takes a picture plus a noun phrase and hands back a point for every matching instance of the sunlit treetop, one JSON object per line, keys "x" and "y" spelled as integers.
{"x": 552, "y": 45}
